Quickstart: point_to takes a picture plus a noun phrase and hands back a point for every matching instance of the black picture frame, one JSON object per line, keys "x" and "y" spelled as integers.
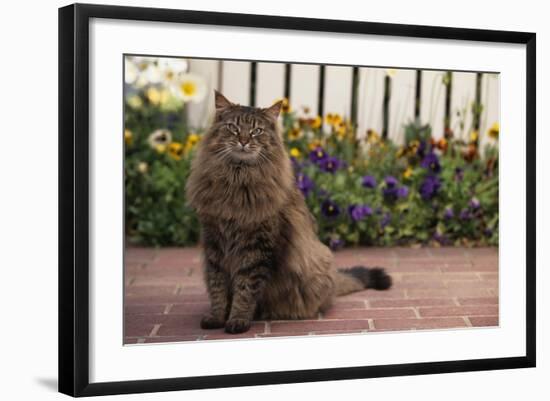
{"x": 74, "y": 198}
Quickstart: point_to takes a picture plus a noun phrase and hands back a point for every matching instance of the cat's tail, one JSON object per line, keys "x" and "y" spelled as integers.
{"x": 358, "y": 278}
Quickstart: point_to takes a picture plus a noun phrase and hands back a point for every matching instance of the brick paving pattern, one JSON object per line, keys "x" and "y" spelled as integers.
{"x": 434, "y": 288}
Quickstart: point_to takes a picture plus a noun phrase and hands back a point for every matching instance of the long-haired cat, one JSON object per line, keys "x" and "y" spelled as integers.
{"x": 262, "y": 255}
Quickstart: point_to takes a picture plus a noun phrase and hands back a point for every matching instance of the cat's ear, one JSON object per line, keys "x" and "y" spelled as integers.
{"x": 275, "y": 110}
{"x": 221, "y": 101}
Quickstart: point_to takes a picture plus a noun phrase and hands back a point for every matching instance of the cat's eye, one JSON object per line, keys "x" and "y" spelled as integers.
{"x": 233, "y": 128}
{"x": 256, "y": 131}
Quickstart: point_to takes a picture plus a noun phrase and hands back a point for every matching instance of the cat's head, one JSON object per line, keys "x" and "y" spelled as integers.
{"x": 244, "y": 135}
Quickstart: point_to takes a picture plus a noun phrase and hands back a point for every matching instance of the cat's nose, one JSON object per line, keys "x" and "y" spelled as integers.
{"x": 243, "y": 142}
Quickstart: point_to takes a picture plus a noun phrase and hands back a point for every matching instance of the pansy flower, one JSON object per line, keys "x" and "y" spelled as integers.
{"x": 429, "y": 187}
{"x": 368, "y": 181}
{"x": 329, "y": 208}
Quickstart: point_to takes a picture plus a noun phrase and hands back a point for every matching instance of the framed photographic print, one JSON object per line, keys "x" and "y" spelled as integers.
{"x": 251, "y": 199}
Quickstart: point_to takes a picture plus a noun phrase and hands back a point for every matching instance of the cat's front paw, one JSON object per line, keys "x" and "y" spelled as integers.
{"x": 235, "y": 326}
{"x": 210, "y": 321}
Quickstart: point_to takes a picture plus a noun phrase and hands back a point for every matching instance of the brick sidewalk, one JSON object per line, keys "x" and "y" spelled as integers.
{"x": 433, "y": 288}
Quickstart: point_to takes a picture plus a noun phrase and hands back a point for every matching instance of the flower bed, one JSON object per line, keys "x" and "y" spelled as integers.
{"x": 362, "y": 190}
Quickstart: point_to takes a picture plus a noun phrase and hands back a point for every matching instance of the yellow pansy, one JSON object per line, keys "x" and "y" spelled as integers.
{"x": 316, "y": 122}
{"x": 372, "y": 136}
{"x": 474, "y": 135}
{"x": 192, "y": 140}
{"x": 408, "y": 172}
{"x": 341, "y": 129}
{"x": 316, "y": 143}
{"x": 128, "y": 137}
{"x": 135, "y": 102}
{"x": 413, "y": 146}
{"x": 295, "y": 152}
{"x": 494, "y": 131}
{"x": 294, "y": 134}
{"x": 175, "y": 150}
{"x": 285, "y": 106}
{"x": 153, "y": 95}
{"x": 160, "y": 148}
{"x": 333, "y": 119}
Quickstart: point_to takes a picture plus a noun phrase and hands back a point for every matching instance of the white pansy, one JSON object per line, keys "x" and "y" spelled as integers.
{"x": 131, "y": 71}
{"x": 142, "y": 167}
{"x": 177, "y": 65}
{"x": 160, "y": 136}
{"x": 153, "y": 74}
{"x": 190, "y": 87}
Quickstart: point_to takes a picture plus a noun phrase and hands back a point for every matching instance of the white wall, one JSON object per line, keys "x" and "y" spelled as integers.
{"x": 28, "y": 339}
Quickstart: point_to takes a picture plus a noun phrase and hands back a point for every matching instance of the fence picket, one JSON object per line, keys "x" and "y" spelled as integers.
{"x": 401, "y": 103}
{"x": 269, "y": 83}
{"x": 464, "y": 89}
{"x": 338, "y": 90}
{"x": 199, "y": 114}
{"x": 304, "y": 86}
{"x": 490, "y": 99}
{"x": 371, "y": 95}
{"x": 236, "y": 81}
{"x": 433, "y": 101}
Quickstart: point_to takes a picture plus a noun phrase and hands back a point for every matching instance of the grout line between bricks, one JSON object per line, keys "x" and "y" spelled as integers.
{"x": 417, "y": 313}
{"x": 267, "y": 329}
{"x": 467, "y": 321}
{"x": 367, "y": 303}
{"x": 140, "y": 340}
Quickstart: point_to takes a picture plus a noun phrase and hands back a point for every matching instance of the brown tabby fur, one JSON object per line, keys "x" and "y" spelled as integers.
{"x": 262, "y": 255}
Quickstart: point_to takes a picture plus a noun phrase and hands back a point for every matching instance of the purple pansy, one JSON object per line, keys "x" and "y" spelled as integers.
{"x": 392, "y": 191}
{"x": 431, "y": 162}
{"x": 335, "y": 243}
{"x": 317, "y": 155}
{"x": 385, "y": 220}
{"x": 330, "y": 208}
{"x": 459, "y": 174}
{"x": 474, "y": 203}
{"x": 448, "y": 213}
{"x": 330, "y": 164}
{"x": 359, "y": 212}
{"x": 403, "y": 192}
{"x": 304, "y": 183}
{"x": 441, "y": 238}
{"x": 465, "y": 214}
{"x": 429, "y": 187}
{"x": 368, "y": 181}
{"x": 390, "y": 181}
{"x": 421, "y": 149}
